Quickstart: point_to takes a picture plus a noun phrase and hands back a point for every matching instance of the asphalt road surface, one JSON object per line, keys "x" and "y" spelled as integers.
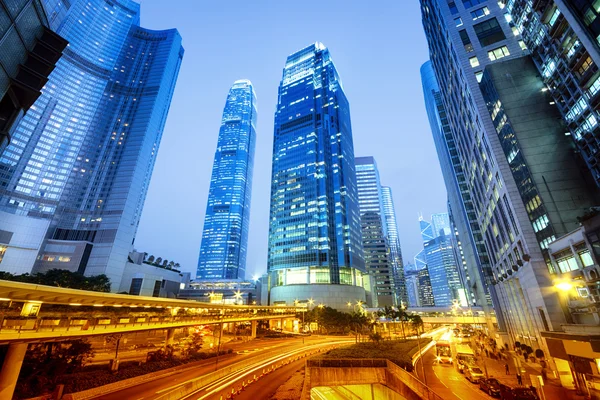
{"x": 446, "y": 381}
{"x": 157, "y": 387}
{"x": 266, "y": 387}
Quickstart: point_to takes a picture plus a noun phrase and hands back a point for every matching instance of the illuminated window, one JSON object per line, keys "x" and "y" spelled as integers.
{"x": 474, "y": 62}
{"x": 498, "y": 53}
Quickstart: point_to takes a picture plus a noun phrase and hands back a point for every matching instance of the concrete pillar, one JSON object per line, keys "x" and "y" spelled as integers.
{"x": 170, "y": 337}
{"x": 11, "y": 369}
{"x": 253, "y": 325}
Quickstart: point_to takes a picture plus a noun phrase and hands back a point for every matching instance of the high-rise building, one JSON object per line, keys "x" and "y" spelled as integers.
{"x": 76, "y": 174}
{"x": 562, "y": 37}
{"x": 315, "y": 246}
{"x": 460, "y": 202}
{"x": 440, "y": 224}
{"x": 412, "y": 286}
{"x": 225, "y": 235}
{"x": 394, "y": 242}
{"x": 29, "y": 53}
{"x": 442, "y": 266}
{"x": 378, "y": 262}
{"x": 420, "y": 260}
{"x": 506, "y": 165}
{"x": 426, "y": 298}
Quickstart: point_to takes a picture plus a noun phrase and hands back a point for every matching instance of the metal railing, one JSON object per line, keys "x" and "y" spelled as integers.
{"x": 80, "y": 325}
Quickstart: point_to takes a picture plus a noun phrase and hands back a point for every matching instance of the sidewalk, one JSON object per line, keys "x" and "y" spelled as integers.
{"x": 552, "y": 388}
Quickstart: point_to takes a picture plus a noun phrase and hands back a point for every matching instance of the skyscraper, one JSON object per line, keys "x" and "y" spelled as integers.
{"x": 442, "y": 265}
{"x": 225, "y": 235}
{"x": 562, "y": 37}
{"x": 412, "y": 286}
{"x": 378, "y": 261}
{"x": 426, "y": 298}
{"x": 394, "y": 242}
{"x": 29, "y": 53}
{"x": 315, "y": 247}
{"x": 513, "y": 201}
{"x": 460, "y": 201}
{"x": 76, "y": 174}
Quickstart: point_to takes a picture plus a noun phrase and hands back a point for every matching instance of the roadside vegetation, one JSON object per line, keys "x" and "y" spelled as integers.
{"x": 399, "y": 352}
{"x": 48, "y": 365}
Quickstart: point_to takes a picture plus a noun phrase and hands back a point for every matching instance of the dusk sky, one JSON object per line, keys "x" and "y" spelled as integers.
{"x": 378, "y": 49}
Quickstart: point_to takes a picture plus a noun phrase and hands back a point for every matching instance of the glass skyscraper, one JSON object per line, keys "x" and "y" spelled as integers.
{"x": 75, "y": 176}
{"x": 225, "y": 235}
{"x": 442, "y": 265}
{"x": 394, "y": 242}
{"x": 29, "y": 51}
{"x": 374, "y": 234}
{"x": 460, "y": 202}
{"x": 315, "y": 247}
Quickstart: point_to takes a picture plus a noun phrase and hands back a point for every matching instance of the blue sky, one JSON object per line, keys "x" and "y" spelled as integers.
{"x": 378, "y": 49}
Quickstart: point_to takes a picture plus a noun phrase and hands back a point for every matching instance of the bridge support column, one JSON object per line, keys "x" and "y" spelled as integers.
{"x": 170, "y": 337}
{"x": 253, "y": 325}
{"x": 11, "y": 369}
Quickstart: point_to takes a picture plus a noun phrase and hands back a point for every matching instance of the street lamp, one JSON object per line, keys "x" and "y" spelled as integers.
{"x": 564, "y": 286}
{"x": 238, "y": 296}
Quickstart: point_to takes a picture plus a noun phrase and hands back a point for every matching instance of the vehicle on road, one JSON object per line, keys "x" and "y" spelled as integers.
{"x": 473, "y": 374}
{"x": 491, "y": 386}
{"x": 464, "y": 357}
{"x": 443, "y": 353}
{"x": 518, "y": 393}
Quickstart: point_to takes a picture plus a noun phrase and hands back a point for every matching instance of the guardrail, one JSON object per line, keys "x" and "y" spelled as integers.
{"x": 23, "y": 328}
{"x": 424, "y": 391}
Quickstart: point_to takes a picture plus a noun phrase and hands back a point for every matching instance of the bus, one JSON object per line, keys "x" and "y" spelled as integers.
{"x": 443, "y": 353}
{"x": 464, "y": 356}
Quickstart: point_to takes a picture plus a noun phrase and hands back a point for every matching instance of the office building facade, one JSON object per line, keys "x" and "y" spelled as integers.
{"x": 226, "y": 223}
{"x": 562, "y": 37}
{"x": 315, "y": 246}
{"x": 442, "y": 266}
{"x": 464, "y": 40}
{"x": 78, "y": 167}
{"x": 411, "y": 276}
{"x": 426, "y": 298}
{"x": 393, "y": 236}
{"x": 30, "y": 50}
{"x": 473, "y": 259}
{"x": 377, "y": 255}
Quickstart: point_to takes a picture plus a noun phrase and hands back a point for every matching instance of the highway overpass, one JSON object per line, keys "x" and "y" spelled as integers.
{"x": 36, "y": 313}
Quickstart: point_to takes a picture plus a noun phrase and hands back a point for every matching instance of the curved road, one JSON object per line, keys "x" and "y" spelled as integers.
{"x": 158, "y": 387}
{"x": 446, "y": 381}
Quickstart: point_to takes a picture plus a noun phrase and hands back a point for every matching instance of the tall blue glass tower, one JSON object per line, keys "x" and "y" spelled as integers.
{"x": 75, "y": 176}
{"x": 225, "y": 235}
{"x": 315, "y": 244}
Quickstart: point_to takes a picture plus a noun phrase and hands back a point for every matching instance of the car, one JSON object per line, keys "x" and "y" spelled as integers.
{"x": 491, "y": 386}
{"x": 518, "y": 393}
{"x": 474, "y": 374}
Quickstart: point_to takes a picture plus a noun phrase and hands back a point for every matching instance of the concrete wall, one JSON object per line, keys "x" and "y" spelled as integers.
{"x": 24, "y": 236}
{"x": 150, "y": 274}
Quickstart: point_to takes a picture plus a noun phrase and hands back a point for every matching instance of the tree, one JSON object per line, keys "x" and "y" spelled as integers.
{"x": 158, "y": 261}
{"x": 44, "y": 362}
{"x": 151, "y": 259}
{"x": 165, "y": 263}
{"x": 358, "y": 321}
{"x": 116, "y": 340}
{"x": 63, "y": 278}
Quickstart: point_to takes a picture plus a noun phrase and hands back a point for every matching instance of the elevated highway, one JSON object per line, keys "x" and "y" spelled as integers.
{"x": 32, "y": 313}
